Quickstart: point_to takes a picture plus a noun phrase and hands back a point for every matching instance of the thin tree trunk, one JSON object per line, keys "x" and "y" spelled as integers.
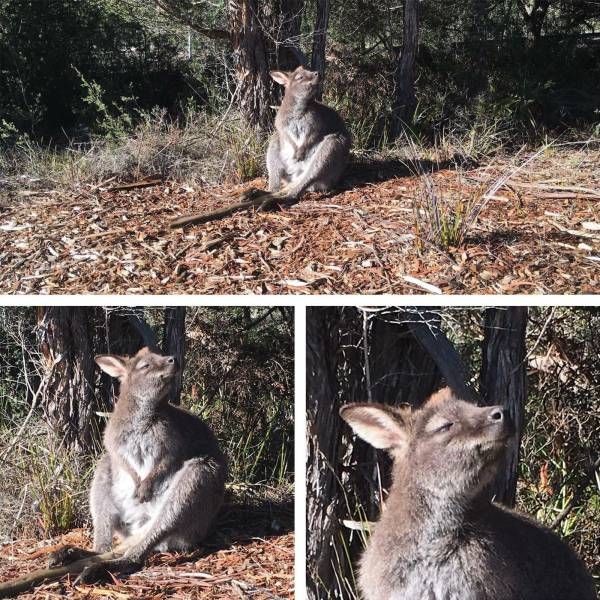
{"x": 322, "y": 345}
{"x": 289, "y": 55}
{"x": 174, "y": 345}
{"x": 64, "y": 337}
{"x": 317, "y": 62}
{"x": 251, "y": 63}
{"x": 405, "y": 100}
{"x": 504, "y": 383}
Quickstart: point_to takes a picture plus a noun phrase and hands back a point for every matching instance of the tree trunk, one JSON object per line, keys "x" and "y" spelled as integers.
{"x": 405, "y": 100}
{"x": 118, "y": 336}
{"x": 251, "y": 63}
{"x": 402, "y": 372}
{"x": 322, "y": 345}
{"x": 317, "y": 62}
{"x": 69, "y": 402}
{"x": 289, "y": 55}
{"x": 504, "y": 383}
{"x": 174, "y": 345}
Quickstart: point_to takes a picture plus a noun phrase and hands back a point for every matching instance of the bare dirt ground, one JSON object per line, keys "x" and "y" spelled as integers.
{"x": 244, "y": 559}
{"x": 540, "y": 233}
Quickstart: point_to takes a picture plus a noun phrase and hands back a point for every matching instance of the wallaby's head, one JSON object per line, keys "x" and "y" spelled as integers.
{"x": 447, "y": 446}
{"x": 145, "y": 377}
{"x": 300, "y": 84}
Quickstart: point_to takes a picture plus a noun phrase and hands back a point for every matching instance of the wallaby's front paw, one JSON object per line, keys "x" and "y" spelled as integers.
{"x": 143, "y": 491}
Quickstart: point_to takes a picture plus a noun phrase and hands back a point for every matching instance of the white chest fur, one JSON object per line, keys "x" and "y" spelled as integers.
{"x": 139, "y": 458}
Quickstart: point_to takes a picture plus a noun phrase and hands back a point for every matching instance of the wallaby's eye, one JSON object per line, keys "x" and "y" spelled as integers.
{"x": 143, "y": 365}
{"x": 445, "y": 427}
{"x": 299, "y": 78}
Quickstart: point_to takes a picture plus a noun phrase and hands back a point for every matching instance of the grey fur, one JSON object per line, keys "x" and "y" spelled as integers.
{"x": 160, "y": 483}
{"x": 309, "y": 148}
{"x": 439, "y": 537}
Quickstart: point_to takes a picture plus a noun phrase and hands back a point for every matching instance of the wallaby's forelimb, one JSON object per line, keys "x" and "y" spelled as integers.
{"x": 22, "y": 584}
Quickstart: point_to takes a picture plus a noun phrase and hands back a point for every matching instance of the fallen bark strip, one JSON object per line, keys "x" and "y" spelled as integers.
{"x": 10, "y": 589}
{"x": 135, "y": 185}
{"x": 262, "y": 199}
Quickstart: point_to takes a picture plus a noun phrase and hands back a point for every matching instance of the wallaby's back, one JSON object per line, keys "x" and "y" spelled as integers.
{"x": 439, "y": 537}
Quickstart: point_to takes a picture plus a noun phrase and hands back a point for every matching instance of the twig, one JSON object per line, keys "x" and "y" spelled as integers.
{"x": 22, "y": 584}
{"x": 262, "y": 200}
{"x": 137, "y": 184}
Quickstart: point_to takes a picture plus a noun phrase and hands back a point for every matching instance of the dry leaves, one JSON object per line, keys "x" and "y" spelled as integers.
{"x": 532, "y": 237}
{"x": 238, "y": 563}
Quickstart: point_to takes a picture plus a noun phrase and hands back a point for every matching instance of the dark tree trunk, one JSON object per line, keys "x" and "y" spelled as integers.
{"x": 322, "y": 346}
{"x": 119, "y": 335}
{"x": 504, "y": 382}
{"x": 289, "y": 55}
{"x": 317, "y": 62}
{"x": 251, "y": 63}
{"x": 174, "y": 345}
{"x": 405, "y": 100}
{"x": 401, "y": 371}
{"x": 69, "y": 403}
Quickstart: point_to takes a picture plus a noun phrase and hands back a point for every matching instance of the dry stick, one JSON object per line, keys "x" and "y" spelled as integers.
{"x": 22, "y": 584}
{"x": 137, "y": 184}
{"x": 263, "y": 200}
{"x": 576, "y": 495}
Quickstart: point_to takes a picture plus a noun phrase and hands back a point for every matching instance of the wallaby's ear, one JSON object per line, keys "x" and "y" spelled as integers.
{"x": 115, "y": 366}
{"x": 377, "y": 424}
{"x": 280, "y": 77}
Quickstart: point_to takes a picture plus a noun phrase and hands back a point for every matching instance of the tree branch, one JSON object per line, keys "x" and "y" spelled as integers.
{"x": 22, "y": 584}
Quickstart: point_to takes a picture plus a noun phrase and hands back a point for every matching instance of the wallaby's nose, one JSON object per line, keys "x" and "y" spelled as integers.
{"x": 496, "y": 414}
{"x": 171, "y": 360}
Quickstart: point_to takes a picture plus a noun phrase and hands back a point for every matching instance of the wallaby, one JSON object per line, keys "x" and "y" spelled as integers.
{"x": 309, "y": 148}
{"x": 161, "y": 481}
{"x": 439, "y": 536}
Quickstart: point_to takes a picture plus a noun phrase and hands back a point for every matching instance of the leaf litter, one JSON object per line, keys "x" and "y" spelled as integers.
{"x": 250, "y": 555}
{"x": 537, "y": 233}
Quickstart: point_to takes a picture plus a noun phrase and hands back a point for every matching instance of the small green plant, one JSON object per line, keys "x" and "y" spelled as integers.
{"x": 113, "y": 122}
{"x": 58, "y": 485}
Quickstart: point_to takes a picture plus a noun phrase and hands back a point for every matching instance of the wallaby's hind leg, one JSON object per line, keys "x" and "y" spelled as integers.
{"x": 105, "y": 516}
{"x": 321, "y": 173}
{"x": 275, "y": 168}
{"x": 188, "y": 510}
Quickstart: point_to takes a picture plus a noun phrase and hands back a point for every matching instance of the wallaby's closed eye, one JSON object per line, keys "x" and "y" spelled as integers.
{"x": 440, "y": 537}
{"x": 160, "y": 483}
{"x": 309, "y": 148}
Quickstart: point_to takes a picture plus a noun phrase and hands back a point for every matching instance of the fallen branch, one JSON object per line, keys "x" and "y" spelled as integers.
{"x": 22, "y": 584}
{"x": 251, "y": 199}
{"x": 135, "y": 185}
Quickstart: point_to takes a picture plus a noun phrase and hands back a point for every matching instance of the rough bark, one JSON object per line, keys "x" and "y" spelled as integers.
{"x": 322, "y": 345}
{"x": 317, "y": 62}
{"x": 405, "y": 100}
{"x": 174, "y": 345}
{"x": 504, "y": 382}
{"x": 69, "y": 403}
{"x": 251, "y": 63}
